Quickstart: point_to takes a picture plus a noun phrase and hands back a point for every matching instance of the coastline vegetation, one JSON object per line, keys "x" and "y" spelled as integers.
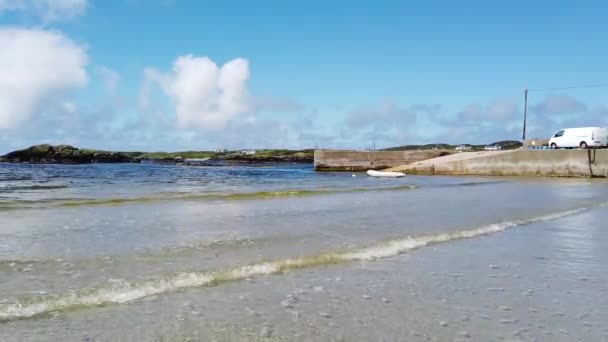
{"x": 504, "y": 144}
{"x": 66, "y": 154}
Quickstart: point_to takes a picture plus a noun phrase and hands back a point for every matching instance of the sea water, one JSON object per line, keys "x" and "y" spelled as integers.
{"x": 159, "y": 252}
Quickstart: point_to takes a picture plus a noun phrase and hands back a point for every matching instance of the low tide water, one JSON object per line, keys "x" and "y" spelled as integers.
{"x": 136, "y": 252}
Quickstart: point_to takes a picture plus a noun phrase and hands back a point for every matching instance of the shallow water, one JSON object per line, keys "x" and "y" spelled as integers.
{"x": 84, "y": 248}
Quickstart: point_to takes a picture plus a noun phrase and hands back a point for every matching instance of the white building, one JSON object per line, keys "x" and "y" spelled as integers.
{"x": 464, "y": 148}
{"x": 493, "y": 148}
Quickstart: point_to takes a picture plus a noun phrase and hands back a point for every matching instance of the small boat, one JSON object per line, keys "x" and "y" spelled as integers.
{"x": 388, "y": 174}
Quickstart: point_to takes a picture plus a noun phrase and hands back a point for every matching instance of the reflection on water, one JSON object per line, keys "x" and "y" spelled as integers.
{"x": 576, "y": 239}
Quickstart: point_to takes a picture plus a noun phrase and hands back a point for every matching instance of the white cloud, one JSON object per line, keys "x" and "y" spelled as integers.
{"x": 559, "y": 104}
{"x": 40, "y": 67}
{"x": 151, "y": 77}
{"x": 385, "y": 124}
{"x": 68, "y": 107}
{"x": 498, "y": 111}
{"x": 206, "y": 97}
{"x": 502, "y": 110}
{"x": 388, "y": 114}
{"x": 47, "y": 10}
{"x": 472, "y": 111}
{"x": 109, "y": 78}
{"x": 277, "y": 105}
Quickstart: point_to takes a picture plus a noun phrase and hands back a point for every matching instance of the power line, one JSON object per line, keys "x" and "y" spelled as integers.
{"x": 552, "y": 89}
{"x": 572, "y": 87}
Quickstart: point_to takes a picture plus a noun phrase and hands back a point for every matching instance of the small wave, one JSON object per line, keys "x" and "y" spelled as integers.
{"x": 128, "y": 292}
{"x": 77, "y": 202}
{"x": 16, "y": 264}
{"x": 468, "y": 184}
{"x": 31, "y": 187}
{"x": 11, "y": 177}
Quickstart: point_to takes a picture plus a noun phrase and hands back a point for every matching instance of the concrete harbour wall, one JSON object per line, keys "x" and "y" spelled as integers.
{"x": 332, "y": 160}
{"x": 551, "y": 163}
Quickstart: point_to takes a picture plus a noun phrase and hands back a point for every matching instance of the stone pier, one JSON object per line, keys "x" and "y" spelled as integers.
{"x": 333, "y": 160}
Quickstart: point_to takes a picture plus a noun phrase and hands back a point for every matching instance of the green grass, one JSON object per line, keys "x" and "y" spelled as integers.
{"x": 183, "y": 154}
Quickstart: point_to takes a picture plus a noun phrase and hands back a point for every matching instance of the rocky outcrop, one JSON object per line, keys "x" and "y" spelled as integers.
{"x": 166, "y": 160}
{"x": 63, "y": 154}
{"x": 271, "y": 157}
{"x": 66, "y": 154}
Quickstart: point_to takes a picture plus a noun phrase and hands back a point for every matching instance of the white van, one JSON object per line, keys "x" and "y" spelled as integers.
{"x": 583, "y": 137}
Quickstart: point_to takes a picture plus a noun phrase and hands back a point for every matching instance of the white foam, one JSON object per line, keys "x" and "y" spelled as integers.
{"x": 131, "y": 292}
{"x": 253, "y": 270}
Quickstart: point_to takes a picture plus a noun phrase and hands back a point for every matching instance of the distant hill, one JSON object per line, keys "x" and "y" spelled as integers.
{"x": 421, "y": 147}
{"x": 65, "y": 154}
{"x": 505, "y": 145}
{"x": 508, "y": 144}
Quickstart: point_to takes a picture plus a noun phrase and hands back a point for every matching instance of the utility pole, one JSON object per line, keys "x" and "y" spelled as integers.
{"x": 525, "y": 111}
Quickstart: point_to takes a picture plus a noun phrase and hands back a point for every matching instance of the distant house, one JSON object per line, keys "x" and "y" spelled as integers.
{"x": 536, "y": 143}
{"x": 493, "y": 148}
{"x": 248, "y": 152}
{"x": 221, "y": 150}
{"x": 464, "y": 148}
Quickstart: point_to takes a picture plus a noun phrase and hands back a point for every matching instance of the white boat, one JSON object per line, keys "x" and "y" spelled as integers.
{"x": 388, "y": 174}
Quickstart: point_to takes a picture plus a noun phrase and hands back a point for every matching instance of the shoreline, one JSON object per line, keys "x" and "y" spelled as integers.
{"x": 448, "y": 292}
{"x": 68, "y": 155}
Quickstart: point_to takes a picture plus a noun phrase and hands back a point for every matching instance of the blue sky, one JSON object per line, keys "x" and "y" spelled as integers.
{"x": 178, "y": 74}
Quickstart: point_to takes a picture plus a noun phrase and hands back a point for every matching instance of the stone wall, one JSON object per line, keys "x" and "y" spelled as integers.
{"x": 332, "y": 160}
{"x": 551, "y": 163}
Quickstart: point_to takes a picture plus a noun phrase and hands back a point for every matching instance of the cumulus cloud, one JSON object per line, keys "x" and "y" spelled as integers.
{"x": 47, "y": 10}
{"x": 503, "y": 119}
{"x": 40, "y": 67}
{"x": 472, "y": 111}
{"x": 558, "y": 105}
{"x": 387, "y": 113}
{"x": 498, "y": 119}
{"x": 276, "y": 104}
{"x": 206, "y": 96}
{"x": 497, "y": 111}
{"x": 554, "y": 112}
{"x": 151, "y": 77}
{"x": 385, "y": 124}
{"x": 109, "y": 78}
{"x": 601, "y": 110}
